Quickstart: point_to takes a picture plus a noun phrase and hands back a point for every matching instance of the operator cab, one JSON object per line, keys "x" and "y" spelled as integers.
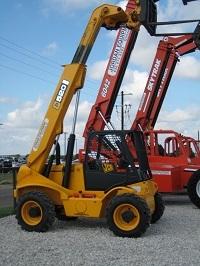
{"x": 110, "y": 163}
{"x": 170, "y": 144}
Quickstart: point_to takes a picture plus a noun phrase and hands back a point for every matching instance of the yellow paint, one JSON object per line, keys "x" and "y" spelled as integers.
{"x": 108, "y": 167}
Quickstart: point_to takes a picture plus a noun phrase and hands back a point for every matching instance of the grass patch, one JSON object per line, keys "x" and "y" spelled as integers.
{"x": 6, "y": 211}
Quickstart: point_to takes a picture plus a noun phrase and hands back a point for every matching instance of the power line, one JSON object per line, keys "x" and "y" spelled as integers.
{"x": 27, "y": 74}
{"x": 31, "y": 57}
{"x": 27, "y": 64}
{"x": 118, "y": 113}
{"x": 123, "y": 112}
{"x": 34, "y": 66}
{"x": 30, "y": 51}
{"x": 15, "y": 59}
{"x": 129, "y": 120}
{"x": 42, "y": 79}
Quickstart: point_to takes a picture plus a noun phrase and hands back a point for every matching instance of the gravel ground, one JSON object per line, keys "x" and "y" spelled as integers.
{"x": 174, "y": 240}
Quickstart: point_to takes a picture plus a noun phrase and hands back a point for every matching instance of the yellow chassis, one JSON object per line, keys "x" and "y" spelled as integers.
{"x": 75, "y": 200}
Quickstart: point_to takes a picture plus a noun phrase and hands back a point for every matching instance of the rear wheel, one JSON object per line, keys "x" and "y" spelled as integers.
{"x": 128, "y": 215}
{"x": 35, "y": 212}
{"x": 193, "y": 188}
{"x": 159, "y": 208}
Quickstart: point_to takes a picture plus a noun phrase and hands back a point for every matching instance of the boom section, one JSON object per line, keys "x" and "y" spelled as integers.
{"x": 168, "y": 52}
{"x": 114, "y": 73}
{"x": 71, "y": 80}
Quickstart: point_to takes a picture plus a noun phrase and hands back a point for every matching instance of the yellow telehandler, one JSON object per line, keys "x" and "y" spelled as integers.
{"x": 101, "y": 186}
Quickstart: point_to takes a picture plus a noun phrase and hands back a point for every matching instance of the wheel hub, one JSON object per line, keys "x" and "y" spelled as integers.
{"x": 128, "y": 216}
{"x": 31, "y": 212}
{"x": 34, "y": 212}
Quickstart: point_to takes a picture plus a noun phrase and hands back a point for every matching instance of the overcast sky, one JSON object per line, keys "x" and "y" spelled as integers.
{"x": 37, "y": 37}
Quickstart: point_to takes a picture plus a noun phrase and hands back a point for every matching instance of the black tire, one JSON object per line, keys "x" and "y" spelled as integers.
{"x": 159, "y": 208}
{"x": 35, "y": 212}
{"x": 193, "y": 188}
{"x": 133, "y": 220}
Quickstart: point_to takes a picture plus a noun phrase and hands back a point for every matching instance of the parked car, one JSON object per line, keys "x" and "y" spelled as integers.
{"x": 5, "y": 165}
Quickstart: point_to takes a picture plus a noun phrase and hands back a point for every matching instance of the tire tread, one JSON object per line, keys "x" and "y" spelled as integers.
{"x": 48, "y": 210}
{"x": 143, "y": 209}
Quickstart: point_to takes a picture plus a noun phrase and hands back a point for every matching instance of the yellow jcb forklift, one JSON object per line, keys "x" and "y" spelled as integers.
{"x": 101, "y": 186}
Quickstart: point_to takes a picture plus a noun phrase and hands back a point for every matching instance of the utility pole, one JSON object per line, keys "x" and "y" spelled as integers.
{"x": 122, "y": 110}
{"x": 122, "y": 107}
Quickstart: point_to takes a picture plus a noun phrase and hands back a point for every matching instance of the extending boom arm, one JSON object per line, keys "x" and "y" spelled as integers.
{"x": 168, "y": 52}
{"x": 71, "y": 80}
{"x": 114, "y": 73}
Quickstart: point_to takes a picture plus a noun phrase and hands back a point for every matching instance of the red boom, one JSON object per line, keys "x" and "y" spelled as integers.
{"x": 168, "y": 52}
{"x": 113, "y": 76}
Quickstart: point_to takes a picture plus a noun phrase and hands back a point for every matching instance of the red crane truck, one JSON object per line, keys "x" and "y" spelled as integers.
{"x": 174, "y": 159}
{"x": 170, "y": 49}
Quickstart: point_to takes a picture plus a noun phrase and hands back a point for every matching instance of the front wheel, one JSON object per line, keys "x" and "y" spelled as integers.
{"x": 35, "y": 212}
{"x": 128, "y": 215}
{"x": 159, "y": 208}
{"x": 193, "y": 188}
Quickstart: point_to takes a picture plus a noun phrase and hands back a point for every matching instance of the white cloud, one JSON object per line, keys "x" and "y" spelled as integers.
{"x": 50, "y": 49}
{"x": 96, "y": 71}
{"x": 19, "y": 130}
{"x": 175, "y": 10}
{"x": 189, "y": 67}
{"x": 26, "y": 116}
{"x": 15, "y": 140}
{"x": 185, "y": 121}
{"x": 83, "y": 113}
{"x": 7, "y": 100}
{"x": 134, "y": 82}
{"x": 178, "y": 115}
